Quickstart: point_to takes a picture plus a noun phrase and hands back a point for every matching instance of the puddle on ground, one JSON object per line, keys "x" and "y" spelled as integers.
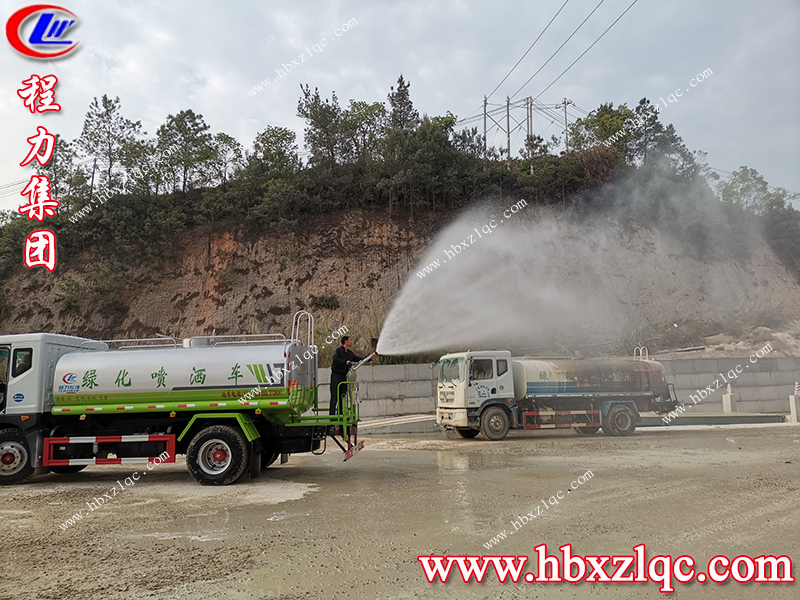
{"x": 192, "y": 536}
{"x": 283, "y": 515}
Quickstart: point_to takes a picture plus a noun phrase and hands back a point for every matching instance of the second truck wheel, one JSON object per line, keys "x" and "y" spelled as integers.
{"x": 217, "y": 455}
{"x": 620, "y": 420}
{"x": 494, "y": 424}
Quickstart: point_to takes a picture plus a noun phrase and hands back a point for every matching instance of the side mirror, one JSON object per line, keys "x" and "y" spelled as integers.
{"x": 471, "y": 367}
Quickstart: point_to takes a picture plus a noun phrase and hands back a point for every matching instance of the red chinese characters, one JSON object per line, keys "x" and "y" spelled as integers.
{"x": 45, "y": 139}
{"x": 40, "y": 249}
{"x": 38, "y": 96}
{"x": 37, "y": 93}
{"x": 40, "y": 204}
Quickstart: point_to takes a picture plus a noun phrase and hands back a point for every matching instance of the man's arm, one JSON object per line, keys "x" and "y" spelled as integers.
{"x": 351, "y": 356}
{"x": 339, "y": 360}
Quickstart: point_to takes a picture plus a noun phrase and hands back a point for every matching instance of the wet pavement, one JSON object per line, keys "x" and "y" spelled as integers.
{"x": 321, "y": 528}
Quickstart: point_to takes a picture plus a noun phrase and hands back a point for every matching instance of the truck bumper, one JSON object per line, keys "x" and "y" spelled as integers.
{"x": 452, "y": 417}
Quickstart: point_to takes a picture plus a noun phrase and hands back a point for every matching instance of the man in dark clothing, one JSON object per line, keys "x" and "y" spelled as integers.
{"x": 343, "y": 359}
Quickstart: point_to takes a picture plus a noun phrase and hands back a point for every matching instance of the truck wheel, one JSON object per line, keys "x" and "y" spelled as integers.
{"x": 467, "y": 433}
{"x": 494, "y": 424}
{"x": 67, "y": 469}
{"x": 268, "y": 459}
{"x": 15, "y": 457}
{"x": 620, "y": 420}
{"x": 217, "y": 455}
{"x": 586, "y": 430}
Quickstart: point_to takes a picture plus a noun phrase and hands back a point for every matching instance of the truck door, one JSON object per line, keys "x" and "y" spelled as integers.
{"x": 505, "y": 378}
{"x": 5, "y": 353}
{"x": 483, "y": 382}
{"x": 20, "y": 386}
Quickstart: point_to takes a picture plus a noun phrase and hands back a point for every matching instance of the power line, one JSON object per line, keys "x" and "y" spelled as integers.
{"x": 580, "y": 109}
{"x": 589, "y": 48}
{"x": 13, "y": 184}
{"x": 559, "y": 49}
{"x": 528, "y": 50}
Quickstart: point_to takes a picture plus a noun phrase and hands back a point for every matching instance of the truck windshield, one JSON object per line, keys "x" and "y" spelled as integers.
{"x": 450, "y": 369}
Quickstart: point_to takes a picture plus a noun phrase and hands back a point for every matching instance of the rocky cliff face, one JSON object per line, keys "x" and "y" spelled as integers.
{"x": 348, "y": 268}
{"x": 224, "y": 279}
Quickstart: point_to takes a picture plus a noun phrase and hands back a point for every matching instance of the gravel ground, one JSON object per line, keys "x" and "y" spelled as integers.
{"x": 320, "y": 528}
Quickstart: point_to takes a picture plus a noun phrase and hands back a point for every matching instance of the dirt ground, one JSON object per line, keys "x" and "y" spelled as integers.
{"x": 319, "y": 528}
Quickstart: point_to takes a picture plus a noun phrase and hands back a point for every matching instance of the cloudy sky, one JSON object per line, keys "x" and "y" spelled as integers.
{"x": 162, "y": 57}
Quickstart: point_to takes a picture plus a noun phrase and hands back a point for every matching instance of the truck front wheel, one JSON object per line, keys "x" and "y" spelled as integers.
{"x": 494, "y": 424}
{"x": 15, "y": 457}
{"x": 620, "y": 420}
{"x": 217, "y": 455}
{"x": 467, "y": 433}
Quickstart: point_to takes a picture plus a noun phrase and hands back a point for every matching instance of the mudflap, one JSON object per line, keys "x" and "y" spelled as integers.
{"x": 255, "y": 459}
{"x": 351, "y": 451}
{"x": 353, "y": 445}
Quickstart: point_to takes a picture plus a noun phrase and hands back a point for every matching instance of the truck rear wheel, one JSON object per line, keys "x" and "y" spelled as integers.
{"x": 620, "y": 420}
{"x": 268, "y": 459}
{"x": 67, "y": 469}
{"x": 586, "y": 430}
{"x": 494, "y": 424}
{"x": 467, "y": 433}
{"x": 218, "y": 455}
{"x": 15, "y": 457}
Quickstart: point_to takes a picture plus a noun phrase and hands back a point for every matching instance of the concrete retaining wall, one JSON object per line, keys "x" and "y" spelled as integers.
{"x": 387, "y": 390}
{"x": 762, "y": 387}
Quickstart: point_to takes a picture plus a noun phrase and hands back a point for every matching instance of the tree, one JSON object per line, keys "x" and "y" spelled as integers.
{"x": 323, "y": 133}
{"x": 186, "y": 143}
{"x": 60, "y": 168}
{"x": 604, "y": 125}
{"x": 276, "y": 149}
{"x": 402, "y": 115}
{"x": 105, "y": 135}
{"x": 469, "y": 142}
{"x": 365, "y": 127}
{"x": 747, "y": 189}
{"x": 228, "y": 157}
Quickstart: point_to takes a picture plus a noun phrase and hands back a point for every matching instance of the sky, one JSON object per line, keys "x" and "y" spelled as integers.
{"x": 163, "y": 57}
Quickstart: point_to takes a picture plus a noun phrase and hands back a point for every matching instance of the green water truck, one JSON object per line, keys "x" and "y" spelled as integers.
{"x": 231, "y": 404}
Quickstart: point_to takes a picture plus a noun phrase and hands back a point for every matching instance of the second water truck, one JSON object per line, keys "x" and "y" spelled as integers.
{"x": 489, "y": 392}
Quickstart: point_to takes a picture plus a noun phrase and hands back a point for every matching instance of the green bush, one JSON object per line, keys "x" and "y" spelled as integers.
{"x": 331, "y": 302}
{"x": 68, "y": 294}
{"x": 106, "y": 282}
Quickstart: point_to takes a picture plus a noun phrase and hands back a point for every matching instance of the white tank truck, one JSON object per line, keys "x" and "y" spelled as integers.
{"x": 490, "y": 392}
{"x": 231, "y": 404}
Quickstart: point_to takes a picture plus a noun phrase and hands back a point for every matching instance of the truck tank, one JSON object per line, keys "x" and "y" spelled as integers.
{"x": 198, "y": 372}
{"x": 585, "y": 376}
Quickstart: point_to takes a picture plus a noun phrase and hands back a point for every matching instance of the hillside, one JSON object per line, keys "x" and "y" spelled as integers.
{"x": 348, "y": 267}
{"x": 626, "y": 239}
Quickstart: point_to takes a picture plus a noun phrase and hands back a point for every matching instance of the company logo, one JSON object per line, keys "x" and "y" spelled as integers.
{"x": 45, "y": 31}
{"x": 68, "y": 389}
{"x": 19, "y": 397}
{"x": 69, "y": 378}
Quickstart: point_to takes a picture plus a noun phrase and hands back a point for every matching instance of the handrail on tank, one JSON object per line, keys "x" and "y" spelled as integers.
{"x": 641, "y": 353}
{"x": 174, "y": 343}
{"x": 264, "y": 338}
{"x": 296, "y": 323}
